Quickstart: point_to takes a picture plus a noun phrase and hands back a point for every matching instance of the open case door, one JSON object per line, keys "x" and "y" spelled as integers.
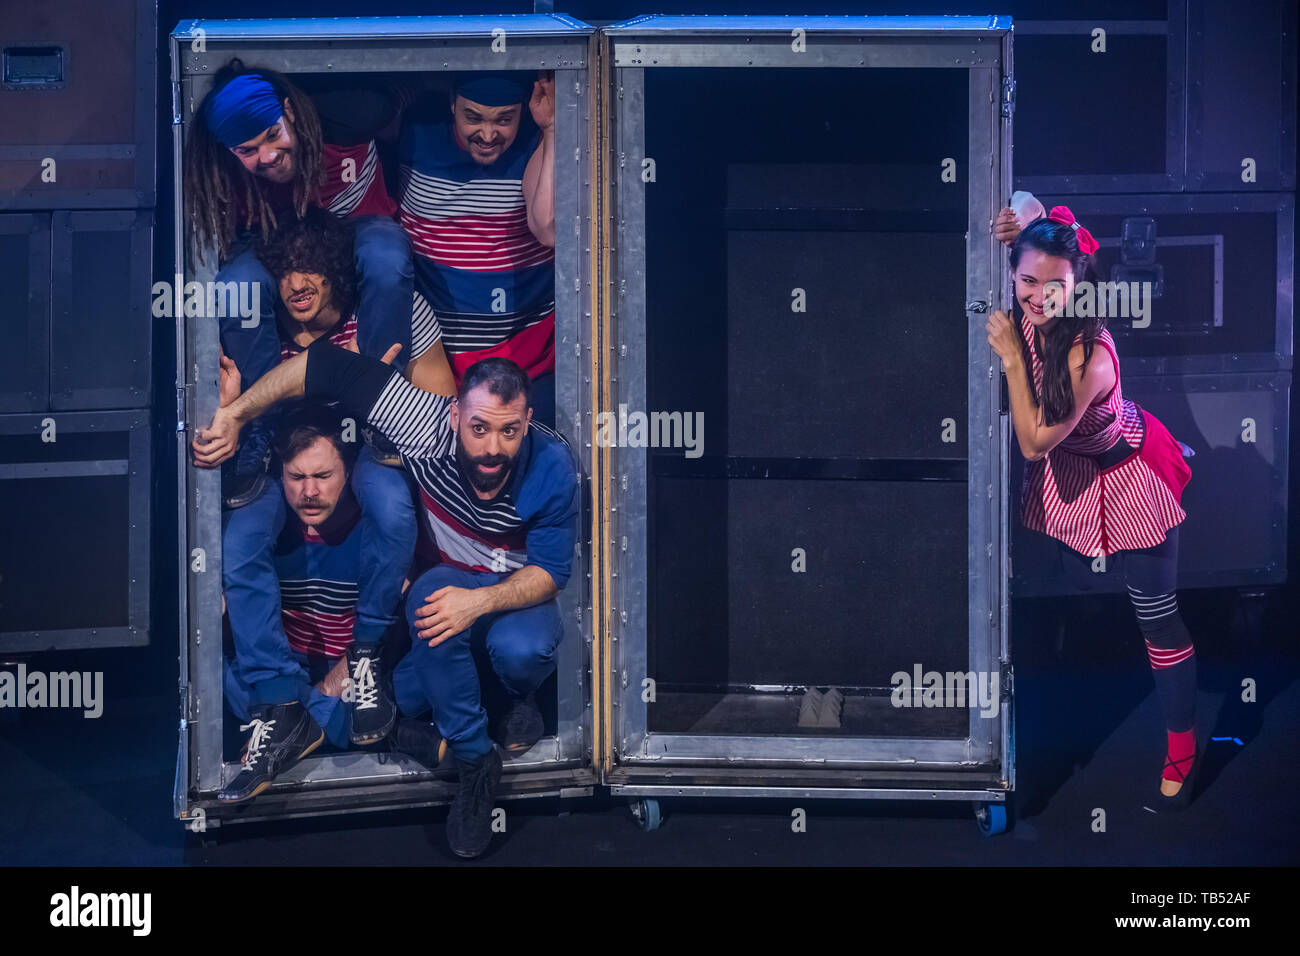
{"x": 805, "y": 479}
{"x": 561, "y": 763}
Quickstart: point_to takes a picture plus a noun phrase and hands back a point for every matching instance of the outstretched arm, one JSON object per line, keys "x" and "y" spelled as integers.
{"x": 218, "y": 441}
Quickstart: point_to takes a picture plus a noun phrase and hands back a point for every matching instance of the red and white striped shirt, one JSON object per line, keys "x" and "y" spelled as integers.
{"x": 1095, "y": 510}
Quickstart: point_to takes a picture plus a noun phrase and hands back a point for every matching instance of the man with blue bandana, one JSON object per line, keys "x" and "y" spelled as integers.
{"x": 260, "y": 153}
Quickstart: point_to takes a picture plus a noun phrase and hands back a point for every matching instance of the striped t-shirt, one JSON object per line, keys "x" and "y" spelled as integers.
{"x": 424, "y": 332}
{"x": 318, "y": 585}
{"x": 486, "y": 277}
{"x": 531, "y": 521}
{"x": 1087, "y": 496}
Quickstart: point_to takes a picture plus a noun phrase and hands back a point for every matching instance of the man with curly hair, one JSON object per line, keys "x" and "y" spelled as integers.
{"x": 311, "y": 262}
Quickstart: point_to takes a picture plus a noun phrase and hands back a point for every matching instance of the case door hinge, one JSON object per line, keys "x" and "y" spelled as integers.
{"x": 180, "y": 409}
{"x": 176, "y": 104}
{"x": 1008, "y": 96}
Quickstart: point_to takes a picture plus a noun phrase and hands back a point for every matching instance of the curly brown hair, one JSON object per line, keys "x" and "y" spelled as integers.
{"x": 318, "y": 244}
{"x": 215, "y": 181}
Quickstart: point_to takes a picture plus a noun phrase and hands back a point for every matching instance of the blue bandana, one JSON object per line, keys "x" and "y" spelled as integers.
{"x": 243, "y": 109}
{"x": 495, "y": 88}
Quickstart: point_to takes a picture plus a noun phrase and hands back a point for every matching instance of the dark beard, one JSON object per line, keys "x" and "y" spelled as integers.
{"x": 480, "y": 481}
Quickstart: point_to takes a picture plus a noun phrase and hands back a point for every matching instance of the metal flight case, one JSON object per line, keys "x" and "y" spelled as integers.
{"x": 801, "y": 260}
{"x": 354, "y": 781}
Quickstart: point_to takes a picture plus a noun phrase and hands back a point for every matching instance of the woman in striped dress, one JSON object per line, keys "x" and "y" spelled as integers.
{"x": 1103, "y": 476}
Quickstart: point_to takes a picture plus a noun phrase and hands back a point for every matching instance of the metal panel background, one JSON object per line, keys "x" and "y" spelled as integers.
{"x": 1241, "y": 94}
{"x": 630, "y": 479}
{"x": 1114, "y": 97}
{"x": 383, "y": 45}
{"x": 101, "y": 318}
{"x": 1258, "y": 270}
{"x": 99, "y": 124}
{"x": 98, "y": 466}
{"x": 25, "y": 308}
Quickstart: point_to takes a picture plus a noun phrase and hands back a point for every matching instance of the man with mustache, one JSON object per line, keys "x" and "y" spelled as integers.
{"x": 289, "y": 676}
{"x": 478, "y": 201}
{"x": 500, "y": 497}
{"x": 260, "y": 153}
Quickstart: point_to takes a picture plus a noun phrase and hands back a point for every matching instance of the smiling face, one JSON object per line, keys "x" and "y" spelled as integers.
{"x": 490, "y": 432}
{"x": 314, "y": 482}
{"x": 271, "y": 153}
{"x": 1043, "y": 285}
{"x": 486, "y": 131}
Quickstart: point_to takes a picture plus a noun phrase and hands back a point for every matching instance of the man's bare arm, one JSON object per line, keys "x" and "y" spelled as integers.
{"x": 218, "y": 441}
{"x": 528, "y": 586}
{"x": 539, "y": 175}
{"x": 451, "y": 610}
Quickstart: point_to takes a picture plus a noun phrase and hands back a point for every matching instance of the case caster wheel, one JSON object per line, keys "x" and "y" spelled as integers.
{"x": 646, "y": 813}
{"x": 992, "y": 818}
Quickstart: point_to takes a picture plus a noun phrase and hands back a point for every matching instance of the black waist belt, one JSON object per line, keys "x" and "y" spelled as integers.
{"x": 1116, "y": 455}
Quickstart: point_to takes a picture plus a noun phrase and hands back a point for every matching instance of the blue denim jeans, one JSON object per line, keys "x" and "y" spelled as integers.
{"x": 519, "y": 644}
{"x": 266, "y": 662}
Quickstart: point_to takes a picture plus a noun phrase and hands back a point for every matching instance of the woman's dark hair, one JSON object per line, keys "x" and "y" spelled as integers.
{"x": 1056, "y": 239}
{"x": 215, "y": 181}
{"x": 319, "y": 244}
{"x": 303, "y": 424}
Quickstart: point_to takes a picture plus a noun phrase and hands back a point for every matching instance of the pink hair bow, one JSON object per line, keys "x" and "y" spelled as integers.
{"x": 1062, "y": 214}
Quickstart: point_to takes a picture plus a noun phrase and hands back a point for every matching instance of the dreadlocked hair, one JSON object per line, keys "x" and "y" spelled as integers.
{"x": 216, "y": 182}
{"x": 1057, "y": 400}
{"x": 317, "y": 244}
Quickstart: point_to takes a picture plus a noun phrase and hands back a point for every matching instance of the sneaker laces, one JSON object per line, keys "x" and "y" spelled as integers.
{"x": 257, "y": 742}
{"x": 364, "y": 685}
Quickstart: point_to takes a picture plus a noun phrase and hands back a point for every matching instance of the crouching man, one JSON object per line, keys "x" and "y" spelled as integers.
{"x": 500, "y": 500}
{"x": 291, "y": 677}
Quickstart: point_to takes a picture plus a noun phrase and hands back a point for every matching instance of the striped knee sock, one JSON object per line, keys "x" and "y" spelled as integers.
{"x": 1173, "y": 666}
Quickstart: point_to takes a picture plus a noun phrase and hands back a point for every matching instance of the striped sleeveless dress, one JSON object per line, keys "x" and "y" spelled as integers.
{"x": 1115, "y": 483}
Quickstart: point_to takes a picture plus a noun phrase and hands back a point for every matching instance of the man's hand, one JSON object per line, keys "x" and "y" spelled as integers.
{"x": 1006, "y": 227}
{"x": 542, "y": 104}
{"x": 334, "y": 683}
{"x": 230, "y": 382}
{"x": 1003, "y": 339}
{"x": 217, "y": 443}
{"x": 449, "y": 611}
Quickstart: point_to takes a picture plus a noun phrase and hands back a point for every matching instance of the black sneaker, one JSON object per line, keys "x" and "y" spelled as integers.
{"x": 373, "y": 711}
{"x": 519, "y": 728}
{"x": 280, "y": 735}
{"x": 469, "y": 824}
{"x": 244, "y": 475}
{"x": 419, "y": 740}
